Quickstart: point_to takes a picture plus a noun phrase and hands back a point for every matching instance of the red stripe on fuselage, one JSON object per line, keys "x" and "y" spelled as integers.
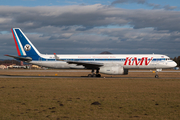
{"x": 16, "y": 43}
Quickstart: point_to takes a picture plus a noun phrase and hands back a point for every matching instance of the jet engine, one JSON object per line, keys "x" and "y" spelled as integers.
{"x": 113, "y": 70}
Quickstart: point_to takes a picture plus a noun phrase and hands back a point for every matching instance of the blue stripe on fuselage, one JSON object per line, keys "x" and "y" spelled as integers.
{"x": 121, "y": 59}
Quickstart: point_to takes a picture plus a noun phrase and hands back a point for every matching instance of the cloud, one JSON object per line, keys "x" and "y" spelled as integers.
{"x": 85, "y": 29}
{"x": 158, "y": 6}
{"x": 86, "y": 16}
{"x": 145, "y": 2}
{"x": 168, "y": 7}
{"x": 155, "y": 6}
{"x": 128, "y": 1}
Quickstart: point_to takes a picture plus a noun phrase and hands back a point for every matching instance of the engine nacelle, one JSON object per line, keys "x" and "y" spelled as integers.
{"x": 113, "y": 70}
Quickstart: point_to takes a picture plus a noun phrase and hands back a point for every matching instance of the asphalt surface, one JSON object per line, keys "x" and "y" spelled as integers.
{"x": 67, "y": 70}
{"x": 19, "y": 76}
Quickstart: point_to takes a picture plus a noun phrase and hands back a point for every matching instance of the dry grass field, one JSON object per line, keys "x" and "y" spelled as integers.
{"x": 90, "y": 98}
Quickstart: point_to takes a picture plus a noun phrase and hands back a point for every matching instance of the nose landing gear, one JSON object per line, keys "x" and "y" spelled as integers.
{"x": 156, "y": 76}
{"x": 157, "y": 70}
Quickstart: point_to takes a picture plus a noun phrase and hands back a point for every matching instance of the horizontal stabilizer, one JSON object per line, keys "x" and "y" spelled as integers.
{"x": 20, "y": 58}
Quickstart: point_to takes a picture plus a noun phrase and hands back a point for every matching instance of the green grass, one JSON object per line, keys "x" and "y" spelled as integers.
{"x": 60, "y": 98}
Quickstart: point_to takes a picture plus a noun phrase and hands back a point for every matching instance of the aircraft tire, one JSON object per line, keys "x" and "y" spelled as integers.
{"x": 89, "y": 75}
{"x": 93, "y": 75}
{"x": 156, "y": 76}
{"x": 98, "y": 75}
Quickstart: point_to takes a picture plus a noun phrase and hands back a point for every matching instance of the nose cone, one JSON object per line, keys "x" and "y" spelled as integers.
{"x": 175, "y": 64}
{"x": 172, "y": 64}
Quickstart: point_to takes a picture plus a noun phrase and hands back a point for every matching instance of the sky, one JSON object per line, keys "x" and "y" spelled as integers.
{"x": 91, "y": 27}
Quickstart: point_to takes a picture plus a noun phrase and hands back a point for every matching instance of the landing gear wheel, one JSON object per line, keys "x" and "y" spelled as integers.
{"x": 93, "y": 75}
{"x": 98, "y": 75}
{"x": 156, "y": 76}
{"x": 89, "y": 75}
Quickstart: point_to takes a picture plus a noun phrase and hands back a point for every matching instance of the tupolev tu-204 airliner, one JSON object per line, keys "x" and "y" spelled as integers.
{"x": 112, "y": 64}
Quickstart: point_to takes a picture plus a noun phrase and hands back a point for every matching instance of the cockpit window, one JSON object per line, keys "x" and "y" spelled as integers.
{"x": 167, "y": 58}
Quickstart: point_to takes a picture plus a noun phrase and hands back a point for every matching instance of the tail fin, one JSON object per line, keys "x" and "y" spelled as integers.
{"x": 23, "y": 44}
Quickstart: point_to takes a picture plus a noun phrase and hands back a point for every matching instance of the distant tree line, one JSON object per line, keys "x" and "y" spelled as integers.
{"x": 177, "y": 60}
{"x": 8, "y": 62}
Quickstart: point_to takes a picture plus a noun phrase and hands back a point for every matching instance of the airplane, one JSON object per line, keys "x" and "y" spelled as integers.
{"x": 111, "y": 64}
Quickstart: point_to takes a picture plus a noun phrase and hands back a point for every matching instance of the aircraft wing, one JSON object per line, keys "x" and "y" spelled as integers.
{"x": 20, "y": 58}
{"x": 88, "y": 65}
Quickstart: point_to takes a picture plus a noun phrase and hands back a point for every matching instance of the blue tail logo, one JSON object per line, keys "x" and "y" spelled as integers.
{"x": 27, "y": 47}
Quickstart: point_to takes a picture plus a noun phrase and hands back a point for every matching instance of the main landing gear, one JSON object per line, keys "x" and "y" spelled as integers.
{"x": 93, "y": 74}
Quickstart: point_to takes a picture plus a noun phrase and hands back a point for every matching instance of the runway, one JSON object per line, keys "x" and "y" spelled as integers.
{"x": 54, "y": 70}
{"x": 20, "y": 76}
{"x": 67, "y": 70}
{"x": 135, "y": 74}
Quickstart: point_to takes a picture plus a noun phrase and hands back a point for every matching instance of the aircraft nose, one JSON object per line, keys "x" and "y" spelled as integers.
{"x": 173, "y": 64}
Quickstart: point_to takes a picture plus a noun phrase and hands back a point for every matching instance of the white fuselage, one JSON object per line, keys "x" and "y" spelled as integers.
{"x": 127, "y": 61}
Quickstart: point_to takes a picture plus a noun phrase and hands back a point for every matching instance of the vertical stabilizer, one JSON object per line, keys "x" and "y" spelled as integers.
{"x": 23, "y": 44}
